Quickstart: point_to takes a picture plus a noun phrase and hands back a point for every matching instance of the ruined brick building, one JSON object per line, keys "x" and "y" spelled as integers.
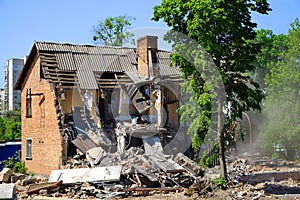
{"x": 92, "y": 88}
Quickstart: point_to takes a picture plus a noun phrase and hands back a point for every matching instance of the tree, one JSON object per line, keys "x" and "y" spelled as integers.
{"x": 13, "y": 115}
{"x": 10, "y": 126}
{"x": 272, "y": 47}
{"x": 2, "y": 130}
{"x": 282, "y": 104}
{"x": 225, "y": 30}
{"x": 113, "y": 31}
{"x": 13, "y": 130}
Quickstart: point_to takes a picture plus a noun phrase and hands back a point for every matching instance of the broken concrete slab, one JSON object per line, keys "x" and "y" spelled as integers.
{"x": 152, "y": 145}
{"x": 145, "y": 173}
{"x": 5, "y": 175}
{"x": 98, "y": 174}
{"x": 190, "y": 165}
{"x": 8, "y": 191}
{"x": 84, "y": 143}
{"x": 95, "y": 155}
{"x": 167, "y": 165}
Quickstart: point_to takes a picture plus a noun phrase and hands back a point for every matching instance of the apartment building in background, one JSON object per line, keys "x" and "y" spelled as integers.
{"x": 12, "y": 70}
{"x": 2, "y": 97}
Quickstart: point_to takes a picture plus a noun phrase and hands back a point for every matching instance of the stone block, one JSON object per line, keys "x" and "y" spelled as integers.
{"x": 5, "y": 175}
{"x": 8, "y": 191}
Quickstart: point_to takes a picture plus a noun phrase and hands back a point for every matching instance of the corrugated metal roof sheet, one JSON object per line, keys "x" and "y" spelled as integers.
{"x": 87, "y": 80}
{"x": 164, "y": 62}
{"x": 87, "y": 59}
{"x": 65, "y": 61}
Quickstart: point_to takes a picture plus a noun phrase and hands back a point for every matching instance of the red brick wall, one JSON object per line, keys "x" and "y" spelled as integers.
{"x": 42, "y": 127}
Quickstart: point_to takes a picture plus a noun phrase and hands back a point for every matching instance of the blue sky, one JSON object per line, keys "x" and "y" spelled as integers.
{"x": 24, "y": 21}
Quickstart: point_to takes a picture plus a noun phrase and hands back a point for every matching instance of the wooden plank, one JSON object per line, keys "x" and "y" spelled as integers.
{"x": 107, "y": 83}
{"x": 109, "y": 87}
{"x": 49, "y": 65}
{"x": 53, "y": 76}
{"x": 59, "y": 75}
{"x": 36, "y": 187}
{"x": 98, "y": 174}
{"x": 61, "y": 81}
{"x": 44, "y": 54}
{"x": 55, "y": 70}
{"x": 113, "y": 80}
{"x": 140, "y": 189}
{"x": 167, "y": 165}
{"x": 152, "y": 145}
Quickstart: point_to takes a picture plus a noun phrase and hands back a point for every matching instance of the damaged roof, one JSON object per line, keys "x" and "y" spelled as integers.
{"x": 82, "y": 64}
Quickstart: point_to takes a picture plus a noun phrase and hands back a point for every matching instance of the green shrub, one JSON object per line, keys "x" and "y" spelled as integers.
{"x": 15, "y": 164}
{"x": 275, "y": 155}
{"x": 220, "y": 182}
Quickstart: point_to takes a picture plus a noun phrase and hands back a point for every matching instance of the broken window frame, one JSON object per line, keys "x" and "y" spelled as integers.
{"x": 28, "y": 149}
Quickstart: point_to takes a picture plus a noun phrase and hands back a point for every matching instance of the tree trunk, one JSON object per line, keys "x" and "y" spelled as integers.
{"x": 290, "y": 152}
{"x": 221, "y": 140}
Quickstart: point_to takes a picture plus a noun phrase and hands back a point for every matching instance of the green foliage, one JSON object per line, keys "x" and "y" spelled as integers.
{"x": 220, "y": 182}
{"x": 275, "y": 155}
{"x": 272, "y": 46}
{"x": 208, "y": 157}
{"x": 10, "y": 126}
{"x": 13, "y": 131}
{"x": 13, "y": 115}
{"x": 282, "y": 104}
{"x": 113, "y": 31}
{"x": 2, "y": 130}
{"x": 15, "y": 164}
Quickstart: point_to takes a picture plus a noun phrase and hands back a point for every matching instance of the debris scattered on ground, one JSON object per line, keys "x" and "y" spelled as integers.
{"x": 134, "y": 174}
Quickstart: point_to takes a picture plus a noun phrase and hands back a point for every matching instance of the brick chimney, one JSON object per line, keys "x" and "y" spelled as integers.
{"x": 146, "y": 51}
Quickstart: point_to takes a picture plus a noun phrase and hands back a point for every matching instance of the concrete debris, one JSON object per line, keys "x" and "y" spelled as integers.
{"x": 134, "y": 173}
{"x": 152, "y": 145}
{"x": 8, "y": 191}
{"x": 5, "y": 175}
{"x": 188, "y": 164}
{"x": 97, "y": 174}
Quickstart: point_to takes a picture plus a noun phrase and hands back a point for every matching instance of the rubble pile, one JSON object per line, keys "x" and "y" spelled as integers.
{"x": 100, "y": 174}
{"x": 133, "y": 173}
{"x": 263, "y": 177}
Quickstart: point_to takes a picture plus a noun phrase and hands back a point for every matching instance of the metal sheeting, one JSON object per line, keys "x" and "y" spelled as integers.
{"x": 164, "y": 64}
{"x": 87, "y": 60}
{"x": 81, "y": 61}
{"x": 87, "y": 79}
{"x": 65, "y": 61}
{"x": 95, "y": 58}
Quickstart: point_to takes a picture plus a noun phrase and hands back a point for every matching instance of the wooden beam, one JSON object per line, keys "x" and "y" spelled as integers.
{"x": 109, "y": 87}
{"x": 166, "y": 189}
